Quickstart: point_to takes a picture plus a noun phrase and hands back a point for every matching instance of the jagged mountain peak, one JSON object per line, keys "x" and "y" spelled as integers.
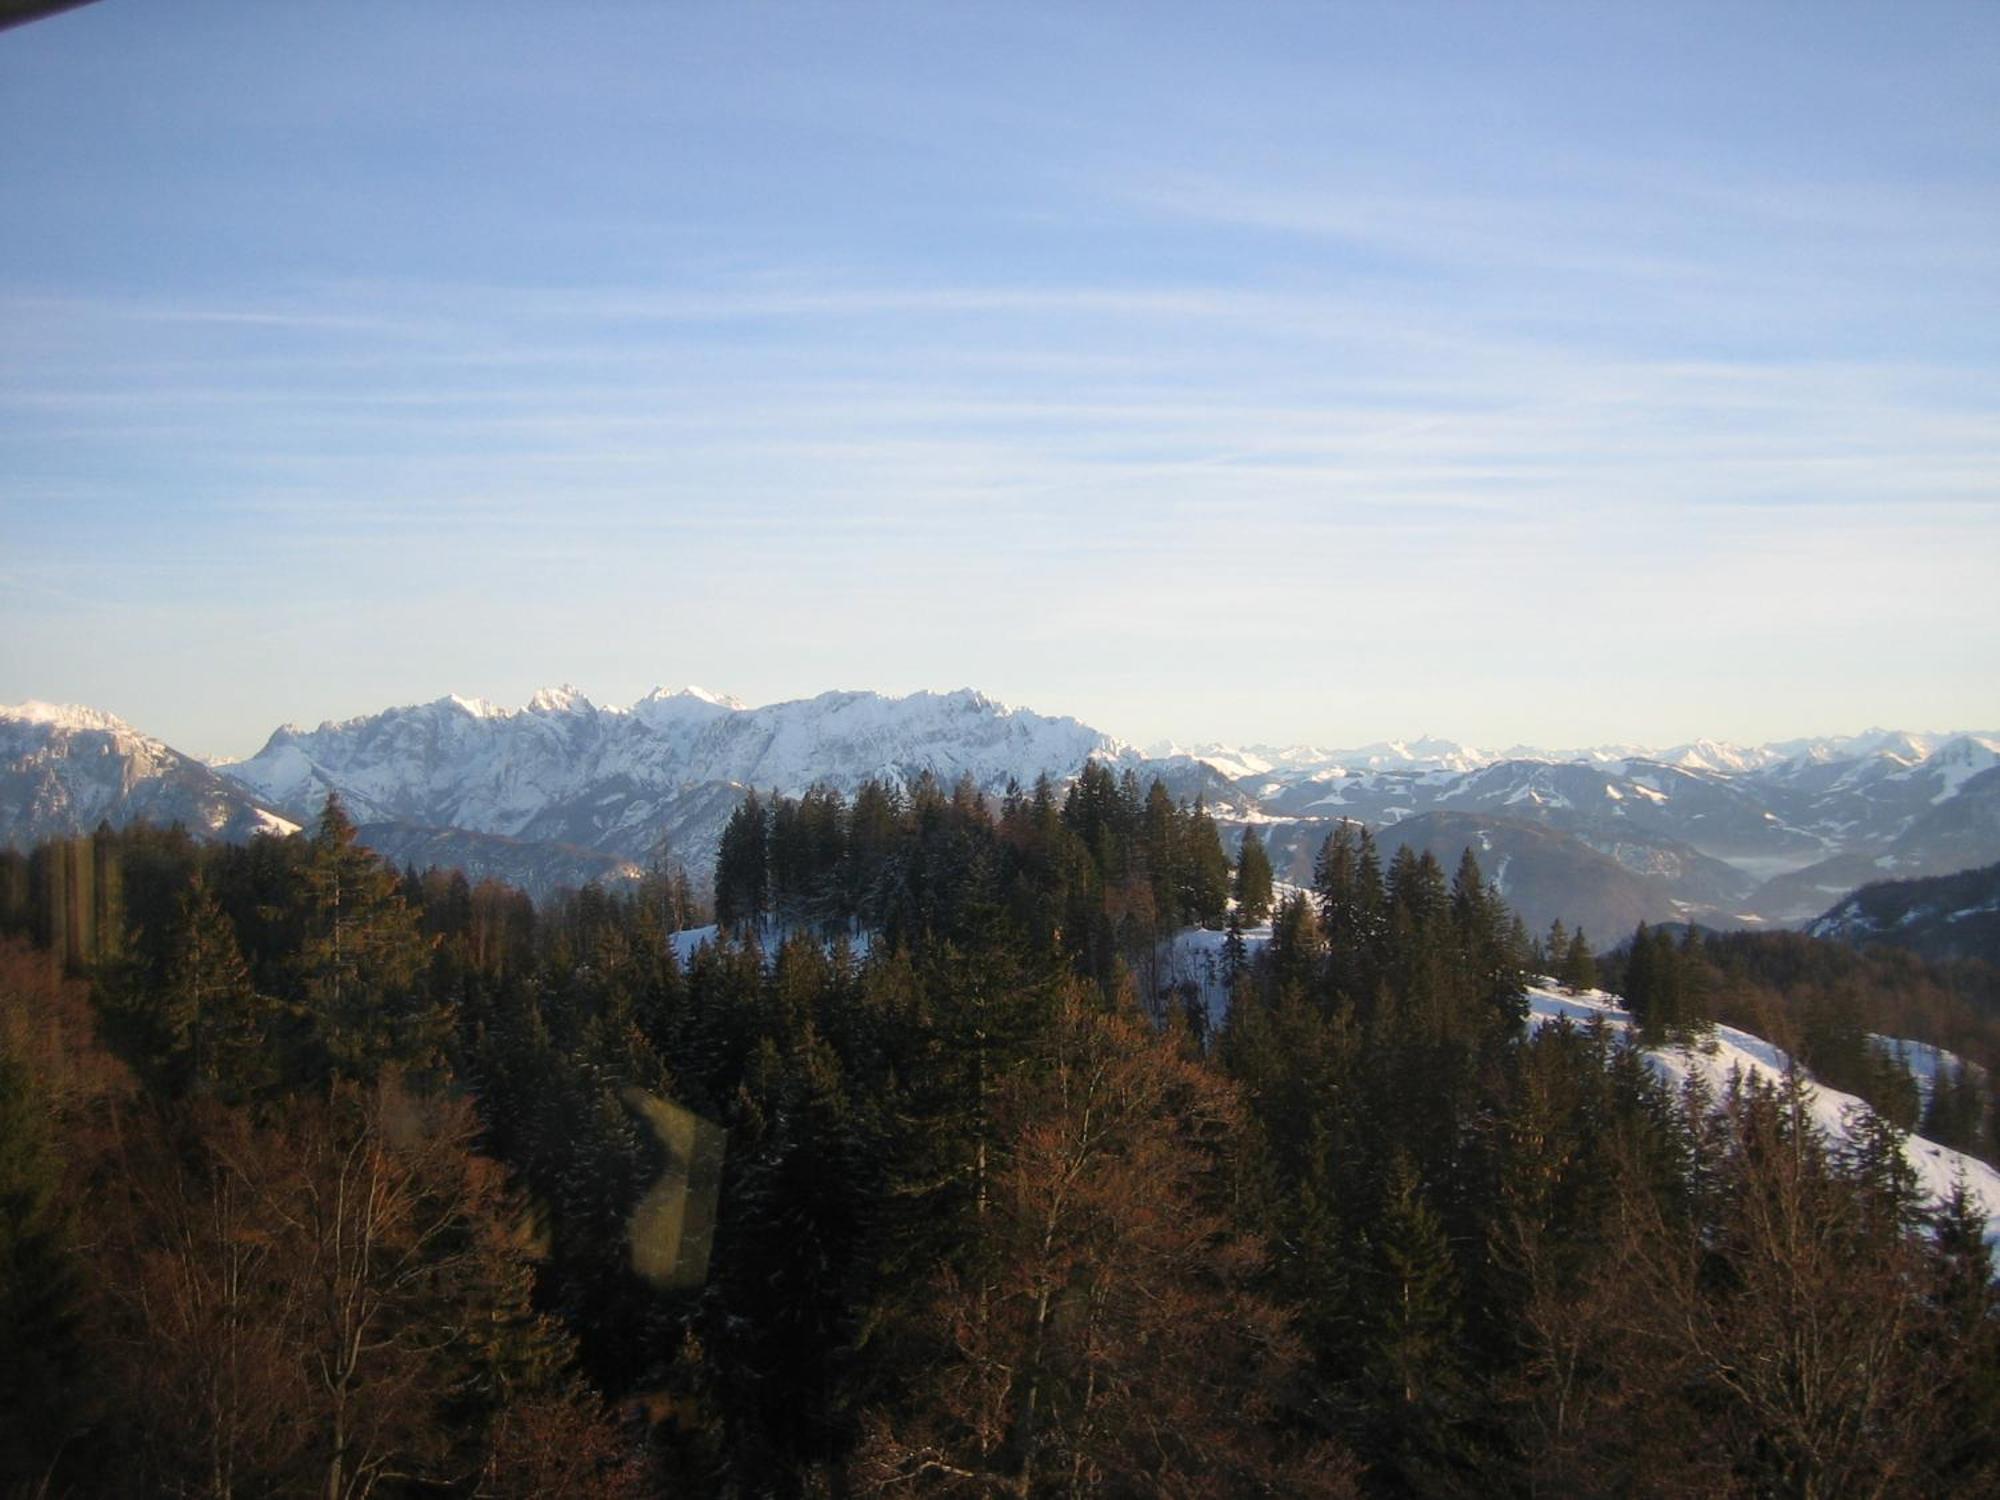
{"x": 566, "y": 699}
{"x": 691, "y": 694}
{"x": 615, "y": 780}
{"x": 1908, "y": 748}
{"x": 683, "y": 710}
{"x": 1716, "y": 755}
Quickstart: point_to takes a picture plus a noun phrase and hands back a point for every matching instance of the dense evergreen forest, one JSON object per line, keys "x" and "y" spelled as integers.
{"x": 321, "y": 1178}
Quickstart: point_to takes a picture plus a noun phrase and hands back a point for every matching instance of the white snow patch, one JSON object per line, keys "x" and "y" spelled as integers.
{"x": 1194, "y": 958}
{"x": 1924, "y": 1061}
{"x": 70, "y": 716}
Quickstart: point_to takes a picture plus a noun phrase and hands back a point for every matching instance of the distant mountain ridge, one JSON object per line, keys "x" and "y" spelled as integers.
{"x": 662, "y": 775}
{"x": 1797, "y": 832}
{"x": 1428, "y": 753}
{"x": 562, "y": 789}
{"x": 1942, "y": 917}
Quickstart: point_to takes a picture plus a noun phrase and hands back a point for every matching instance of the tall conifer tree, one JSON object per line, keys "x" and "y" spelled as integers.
{"x": 1253, "y": 878}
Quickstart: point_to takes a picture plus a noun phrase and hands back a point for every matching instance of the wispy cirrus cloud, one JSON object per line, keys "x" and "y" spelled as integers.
{"x": 1328, "y": 357}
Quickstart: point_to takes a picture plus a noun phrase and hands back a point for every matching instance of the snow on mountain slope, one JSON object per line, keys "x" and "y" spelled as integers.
{"x": 520, "y": 772}
{"x": 1718, "y": 755}
{"x": 1733, "y": 1052}
{"x": 683, "y": 712}
{"x": 1925, "y": 1063}
{"x": 846, "y": 738}
{"x": 1191, "y": 967}
{"x": 65, "y": 717}
{"x": 1238, "y": 764}
{"x": 64, "y": 769}
{"x": 1809, "y": 762}
{"x": 1723, "y": 816}
{"x": 1287, "y": 763}
{"x": 612, "y": 779}
{"x": 1953, "y": 764}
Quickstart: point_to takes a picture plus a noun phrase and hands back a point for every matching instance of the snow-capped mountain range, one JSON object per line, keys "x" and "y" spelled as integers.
{"x": 661, "y": 776}
{"x": 565, "y": 767}
{"x": 1777, "y": 840}
{"x": 1426, "y": 753}
{"x": 563, "y": 789}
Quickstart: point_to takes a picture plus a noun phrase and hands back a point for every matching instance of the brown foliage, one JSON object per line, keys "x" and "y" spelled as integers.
{"x": 1801, "y": 1318}
{"x": 1775, "y": 1340}
{"x": 1103, "y": 1336}
{"x": 327, "y": 1304}
{"x": 48, "y": 1023}
{"x": 558, "y": 1442}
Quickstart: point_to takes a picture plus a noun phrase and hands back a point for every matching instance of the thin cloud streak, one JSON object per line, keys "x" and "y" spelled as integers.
{"x": 1328, "y": 359}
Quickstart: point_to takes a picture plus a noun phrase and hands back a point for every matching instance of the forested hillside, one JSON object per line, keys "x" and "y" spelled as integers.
{"x": 1946, "y": 917}
{"x": 328, "y": 1179}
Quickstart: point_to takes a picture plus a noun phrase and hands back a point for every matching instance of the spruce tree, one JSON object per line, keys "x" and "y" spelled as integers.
{"x": 1411, "y": 1368}
{"x": 357, "y": 961}
{"x": 1550, "y": 950}
{"x": 1878, "y": 1164}
{"x": 1952, "y": 1118}
{"x": 217, "y": 1028}
{"x": 1638, "y": 988}
{"x": 1164, "y": 851}
{"x": 1579, "y": 966}
{"x": 1235, "y": 954}
{"x": 1204, "y": 867}
{"x": 742, "y": 869}
{"x": 788, "y": 1265}
{"x": 1253, "y": 879}
{"x": 1369, "y": 939}
{"x": 1491, "y": 956}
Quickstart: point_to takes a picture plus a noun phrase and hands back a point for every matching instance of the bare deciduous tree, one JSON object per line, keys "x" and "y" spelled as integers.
{"x": 1103, "y": 1336}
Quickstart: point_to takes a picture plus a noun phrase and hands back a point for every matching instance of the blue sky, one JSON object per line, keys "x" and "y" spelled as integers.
{"x": 1562, "y": 374}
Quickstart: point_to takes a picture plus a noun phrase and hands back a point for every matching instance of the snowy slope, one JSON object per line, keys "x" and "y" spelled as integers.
{"x": 1191, "y": 966}
{"x": 1925, "y": 1062}
{"x": 673, "y": 764}
{"x": 64, "y": 769}
{"x": 1739, "y": 1052}
{"x": 474, "y": 766}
